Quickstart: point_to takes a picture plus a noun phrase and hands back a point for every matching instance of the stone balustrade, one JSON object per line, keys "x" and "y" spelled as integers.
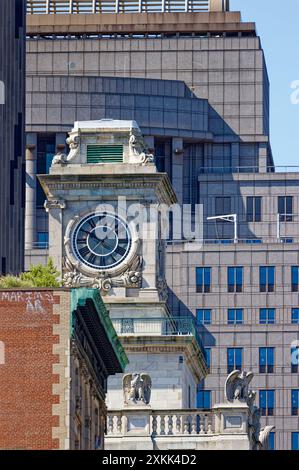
{"x": 226, "y": 426}
{"x": 161, "y": 422}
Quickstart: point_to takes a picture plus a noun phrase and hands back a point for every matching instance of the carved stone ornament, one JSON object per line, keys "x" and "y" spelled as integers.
{"x": 162, "y": 289}
{"x": 137, "y": 388}
{"x": 237, "y": 386}
{"x": 54, "y": 204}
{"x": 237, "y": 389}
{"x": 63, "y": 159}
{"x": 72, "y": 277}
{"x": 139, "y": 150}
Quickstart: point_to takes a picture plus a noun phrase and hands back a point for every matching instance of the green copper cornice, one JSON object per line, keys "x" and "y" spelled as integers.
{"x": 79, "y": 298}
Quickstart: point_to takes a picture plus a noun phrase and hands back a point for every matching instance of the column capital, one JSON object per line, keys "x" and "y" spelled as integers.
{"x": 30, "y": 155}
{"x": 54, "y": 204}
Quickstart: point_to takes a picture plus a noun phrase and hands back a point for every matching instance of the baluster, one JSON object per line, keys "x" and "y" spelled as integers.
{"x": 162, "y": 425}
{"x": 210, "y": 430}
{"x": 118, "y": 424}
{"x": 170, "y": 424}
{"x": 110, "y": 424}
{"x": 178, "y": 424}
{"x": 186, "y": 425}
{"x": 154, "y": 424}
{"x": 202, "y": 424}
{"x": 193, "y": 424}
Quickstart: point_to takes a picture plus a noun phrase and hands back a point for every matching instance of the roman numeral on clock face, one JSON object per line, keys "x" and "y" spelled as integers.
{"x": 84, "y": 251}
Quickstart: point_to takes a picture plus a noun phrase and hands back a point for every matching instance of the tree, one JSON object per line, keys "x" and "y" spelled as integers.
{"x": 37, "y": 276}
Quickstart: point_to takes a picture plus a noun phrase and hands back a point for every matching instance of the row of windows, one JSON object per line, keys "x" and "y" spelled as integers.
{"x": 266, "y": 401}
{"x": 235, "y": 279}
{"x": 266, "y": 359}
{"x": 254, "y": 207}
{"x": 235, "y": 316}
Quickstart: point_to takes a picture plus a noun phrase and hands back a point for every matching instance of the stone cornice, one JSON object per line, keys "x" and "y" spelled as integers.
{"x": 186, "y": 345}
{"x": 157, "y": 181}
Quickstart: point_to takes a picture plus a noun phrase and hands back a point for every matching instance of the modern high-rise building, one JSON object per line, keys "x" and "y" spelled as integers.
{"x": 194, "y": 77}
{"x": 12, "y": 122}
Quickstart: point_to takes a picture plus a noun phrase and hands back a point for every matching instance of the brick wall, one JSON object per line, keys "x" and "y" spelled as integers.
{"x": 27, "y": 361}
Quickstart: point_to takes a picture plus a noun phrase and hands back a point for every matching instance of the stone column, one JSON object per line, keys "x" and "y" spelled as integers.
{"x": 55, "y": 208}
{"x": 30, "y": 208}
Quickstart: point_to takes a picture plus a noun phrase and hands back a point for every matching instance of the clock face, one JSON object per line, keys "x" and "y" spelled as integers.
{"x": 101, "y": 241}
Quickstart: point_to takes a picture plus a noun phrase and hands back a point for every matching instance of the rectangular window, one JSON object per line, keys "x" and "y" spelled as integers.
{"x": 204, "y": 399}
{"x": 234, "y": 359}
{"x": 235, "y": 316}
{"x": 42, "y": 240}
{"x": 272, "y": 441}
{"x": 204, "y": 316}
{"x": 295, "y": 359}
{"x": 285, "y": 208}
{"x": 266, "y": 360}
{"x": 208, "y": 357}
{"x": 203, "y": 280}
{"x": 222, "y": 205}
{"x": 295, "y": 316}
{"x": 295, "y": 440}
{"x": 267, "y": 316}
{"x": 45, "y": 152}
{"x": 235, "y": 279}
{"x": 295, "y": 278}
{"x": 254, "y": 209}
{"x": 160, "y": 155}
{"x": 267, "y": 402}
{"x": 295, "y": 402}
{"x": 267, "y": 278}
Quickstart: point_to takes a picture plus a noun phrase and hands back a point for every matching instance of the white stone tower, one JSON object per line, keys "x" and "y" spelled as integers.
{"x": 105, "y": 232}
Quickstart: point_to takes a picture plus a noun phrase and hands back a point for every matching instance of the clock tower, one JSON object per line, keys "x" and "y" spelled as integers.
{"x": 102, "y": 200}
{"x": 105, "y": 231}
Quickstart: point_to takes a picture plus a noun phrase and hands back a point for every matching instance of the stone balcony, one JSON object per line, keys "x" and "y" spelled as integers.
{"x": 164, "y": 326}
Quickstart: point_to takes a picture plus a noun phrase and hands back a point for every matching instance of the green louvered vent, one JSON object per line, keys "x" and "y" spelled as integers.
{"x": 104, "y": 153}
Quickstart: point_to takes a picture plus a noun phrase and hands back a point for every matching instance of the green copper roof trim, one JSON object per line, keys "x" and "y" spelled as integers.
{"x": 79, "y": 298}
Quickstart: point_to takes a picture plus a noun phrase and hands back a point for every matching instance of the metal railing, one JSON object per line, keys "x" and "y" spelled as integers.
{"x": 165, "y": 422}
{"x": 249, "y": 169}
{"x": 182, "y": 326}
{"x": 37, "y": 246}
{"x": 115, "y": 6}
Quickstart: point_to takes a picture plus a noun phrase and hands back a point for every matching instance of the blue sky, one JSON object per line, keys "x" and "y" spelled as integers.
{"x": 278, "y": 26}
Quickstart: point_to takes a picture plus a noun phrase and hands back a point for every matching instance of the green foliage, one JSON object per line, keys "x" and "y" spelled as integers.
{"x": 9, "y": 282}
{"x": 37, "y": 276}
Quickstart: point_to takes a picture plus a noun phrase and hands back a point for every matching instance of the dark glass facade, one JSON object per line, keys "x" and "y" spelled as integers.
{"x": 12, "y": 163}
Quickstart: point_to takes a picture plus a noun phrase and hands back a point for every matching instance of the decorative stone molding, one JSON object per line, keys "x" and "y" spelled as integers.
{"x": 137, "y": 388}
{"x": 54, "y": 204}
{"x": 237, "y": 393}
{"x": 61, "y": 158}
{"x": 162, "y": 289}
{"x": 138, "y": 150}
{"x": 73, "y": 277}
{"x": 237, "y": 387}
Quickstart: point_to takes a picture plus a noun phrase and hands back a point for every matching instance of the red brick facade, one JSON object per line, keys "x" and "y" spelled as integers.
{"x": 26, "y": 369}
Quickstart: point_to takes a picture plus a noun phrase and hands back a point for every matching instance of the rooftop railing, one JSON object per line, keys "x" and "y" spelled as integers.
{"x": 250, "y": 169}
{"x": 116, "y": 6}
{"x": 177, "y": 326}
